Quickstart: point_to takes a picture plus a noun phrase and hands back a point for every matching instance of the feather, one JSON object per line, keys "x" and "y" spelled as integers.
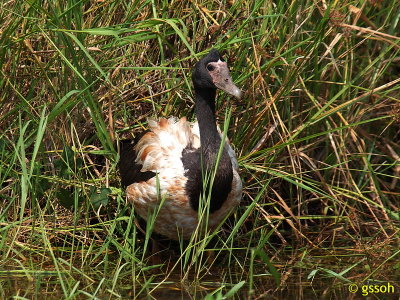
{"x": 160, "y": 151}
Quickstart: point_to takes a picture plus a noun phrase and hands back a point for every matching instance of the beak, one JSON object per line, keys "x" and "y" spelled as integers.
{"x": 222, "y": 79}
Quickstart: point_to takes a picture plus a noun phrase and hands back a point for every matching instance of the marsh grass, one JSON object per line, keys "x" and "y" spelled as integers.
{"x": 316, "y": 134}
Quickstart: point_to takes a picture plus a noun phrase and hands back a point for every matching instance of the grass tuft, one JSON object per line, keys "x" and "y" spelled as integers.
{"x": 317, "y": 136}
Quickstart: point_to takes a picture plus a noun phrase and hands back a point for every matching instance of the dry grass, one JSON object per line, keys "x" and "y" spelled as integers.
{"x": 317, "y": 135}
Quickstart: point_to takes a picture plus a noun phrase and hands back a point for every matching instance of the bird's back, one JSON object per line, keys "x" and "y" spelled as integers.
{"x": 153, "y": 170}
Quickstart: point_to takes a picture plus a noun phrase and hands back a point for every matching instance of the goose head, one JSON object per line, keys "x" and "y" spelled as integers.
{"x": 211, "y": 72}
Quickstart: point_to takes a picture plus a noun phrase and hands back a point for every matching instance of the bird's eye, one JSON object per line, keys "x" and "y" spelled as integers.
{"x": 210, "y": 67}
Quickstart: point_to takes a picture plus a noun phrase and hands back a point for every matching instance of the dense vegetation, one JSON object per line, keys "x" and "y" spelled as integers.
{"x": 317, "y": 135}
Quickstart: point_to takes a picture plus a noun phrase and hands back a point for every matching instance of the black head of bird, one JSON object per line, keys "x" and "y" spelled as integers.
{"x": 212, "y": 72}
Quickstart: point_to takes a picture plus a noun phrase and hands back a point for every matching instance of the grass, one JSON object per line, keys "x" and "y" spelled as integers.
{"x": 317, "y": 135}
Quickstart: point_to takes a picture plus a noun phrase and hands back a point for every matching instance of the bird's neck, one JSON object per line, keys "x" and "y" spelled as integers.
{"x": 210, "y": 142}
{"x": 210, "y": 139}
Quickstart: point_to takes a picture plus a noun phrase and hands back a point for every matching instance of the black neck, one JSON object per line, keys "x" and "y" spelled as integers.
{"x": 209, "y": 137}
{"x": 210, "y": 141}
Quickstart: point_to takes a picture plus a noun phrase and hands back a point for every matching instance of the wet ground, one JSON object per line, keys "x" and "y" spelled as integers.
{"x": 47, "y": 285}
